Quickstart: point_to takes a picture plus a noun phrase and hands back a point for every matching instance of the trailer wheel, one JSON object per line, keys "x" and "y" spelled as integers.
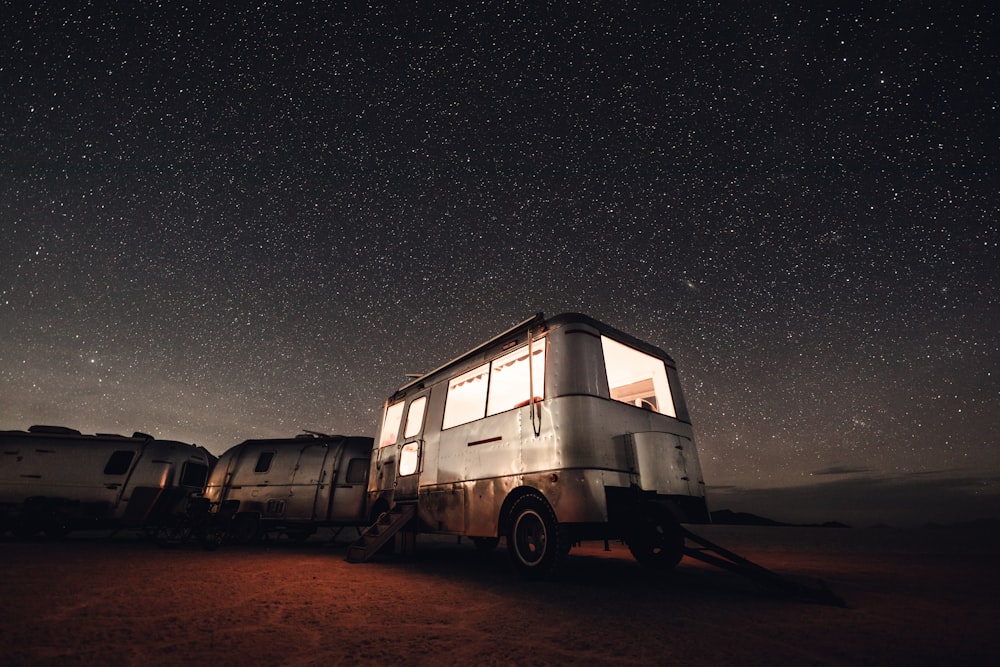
{"x": 656, "y": 540}
{"x": 534, "y": 540}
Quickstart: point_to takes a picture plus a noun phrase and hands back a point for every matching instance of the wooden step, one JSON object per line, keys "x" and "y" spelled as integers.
{"x": 375, "y": 536}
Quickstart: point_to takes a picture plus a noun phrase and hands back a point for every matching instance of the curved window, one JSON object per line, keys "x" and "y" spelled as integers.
{"x": 415, "y": 417}
{"x": 409, "y": 459}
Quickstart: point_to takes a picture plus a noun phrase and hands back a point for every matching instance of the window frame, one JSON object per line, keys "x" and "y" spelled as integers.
{"x": 389, "y": 408}
{"x": 536, "y": 381}
{"x": 264, "y": 461}
{"x": 117, "y": 463}
{"x": 658, "y": 378}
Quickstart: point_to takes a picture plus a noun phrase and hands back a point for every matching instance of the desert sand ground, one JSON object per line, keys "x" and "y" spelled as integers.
{"x": 919, "y": 597}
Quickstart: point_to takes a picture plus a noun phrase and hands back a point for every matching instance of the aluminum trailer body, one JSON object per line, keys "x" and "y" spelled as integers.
{"x": 55, "y": 479}
{"x": 558, "y": 430}
{"x": 291, "y": 485}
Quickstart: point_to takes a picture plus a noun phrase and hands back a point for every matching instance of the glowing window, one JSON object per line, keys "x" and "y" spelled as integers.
{"x": 511, "y": 383}
{"x": 466, "y": 397}
{"x": 409, "y": 458}
{"x": 637, "y": 378}
{"x": 415, "y": 417}
{"x": 390, "y": 425}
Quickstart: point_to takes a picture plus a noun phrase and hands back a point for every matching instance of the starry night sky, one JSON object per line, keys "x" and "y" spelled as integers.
{"x": 223, "y": 223}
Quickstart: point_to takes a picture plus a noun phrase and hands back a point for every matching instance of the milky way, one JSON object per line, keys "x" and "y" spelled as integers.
{"x": 221, "y": 223}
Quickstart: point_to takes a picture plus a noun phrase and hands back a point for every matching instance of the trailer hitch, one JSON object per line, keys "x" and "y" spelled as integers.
{"x": 713, "y": 554}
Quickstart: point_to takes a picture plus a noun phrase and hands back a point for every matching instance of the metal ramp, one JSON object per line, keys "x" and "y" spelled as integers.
{"x": 713, "y": 554}
{"x": 379, "y": 533}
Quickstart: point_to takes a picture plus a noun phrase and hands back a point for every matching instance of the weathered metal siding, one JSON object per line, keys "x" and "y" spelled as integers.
{"x": 570, "y": 447}
{"x": 306, "y": 481}
{"x": 73, "y": 468}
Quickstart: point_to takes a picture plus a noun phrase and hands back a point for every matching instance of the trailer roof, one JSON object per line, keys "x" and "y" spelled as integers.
{"x": 538, "y": 320}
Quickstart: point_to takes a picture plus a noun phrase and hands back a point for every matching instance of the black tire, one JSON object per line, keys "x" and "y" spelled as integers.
{"x": 534, "y": 540}
{"x": 656, "y": 540}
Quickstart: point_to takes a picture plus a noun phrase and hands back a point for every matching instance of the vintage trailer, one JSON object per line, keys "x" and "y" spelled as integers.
{"x": 291, "y": 486}
{"x": 54, "y": 479}
{"x": 558, "y": 430}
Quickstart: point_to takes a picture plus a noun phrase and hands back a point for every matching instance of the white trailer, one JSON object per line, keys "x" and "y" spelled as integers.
{"x": 54, "y": 479}
{"x": 558, "y": 430}
{"x": 291, "y": 486}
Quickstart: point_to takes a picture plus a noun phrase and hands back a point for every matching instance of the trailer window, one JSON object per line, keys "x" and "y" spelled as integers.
{"x": 409, "y": 459}
{"x": 415, "y": 417}
{"x": 264, "y": 462}
{"x": 466, "y": 399}
{"x": 511, "y": 380}
{"x": 637, "y": 378}
{"x": 119, "y": 463}
{"x": 504, "y": 384}
{"x": 357, "y": 471}
{"x": 194, "y": 474}
{"x": 390, "y": 425}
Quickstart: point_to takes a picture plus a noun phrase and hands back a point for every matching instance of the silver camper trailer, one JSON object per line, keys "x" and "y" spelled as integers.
{"x": 54, "y": 479}
{"x": 291, "y": 486}
{"x": 559, "y": 430}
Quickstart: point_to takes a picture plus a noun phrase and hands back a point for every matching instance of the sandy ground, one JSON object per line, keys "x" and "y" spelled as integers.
{"x": 914, "y": 598}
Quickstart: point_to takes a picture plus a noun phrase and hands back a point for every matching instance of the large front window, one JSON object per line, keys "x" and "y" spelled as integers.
{"x": 637, "y": 378}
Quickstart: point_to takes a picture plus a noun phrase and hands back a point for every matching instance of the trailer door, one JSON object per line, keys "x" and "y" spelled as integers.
{"x": 311, "y": 484}
{"x": 409, "y": 461}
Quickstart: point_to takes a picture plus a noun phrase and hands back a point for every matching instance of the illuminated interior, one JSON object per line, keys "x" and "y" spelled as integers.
{"x": 510, "y": 382}
{"x": 466, "y": 397}
{"x": 415, "y": 417}
{"x": 390, "y": 425}
{"x": 637, "y": 378}
{"x": 409, "y": 458}
{"x": 504, "y": 384}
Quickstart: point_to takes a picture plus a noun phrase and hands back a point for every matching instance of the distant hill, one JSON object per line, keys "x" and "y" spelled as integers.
{"x": 731, "y": 518}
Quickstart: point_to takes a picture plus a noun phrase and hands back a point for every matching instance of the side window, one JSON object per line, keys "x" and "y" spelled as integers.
{"x": 194, "y": 474}
{"x": 390, "y": 425}
{"x": 264, "y": 462}
{"x": 357, "y": 471}
{"x": 119, "y": 463}
{"x": 415, "y": 417}
{"x": 637, "y": 378}
{"x": 409, "y": 459}
{"x": 466, "y": 399}
{"x": 508, "y": 382}
{"x": 511, "y": 383}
